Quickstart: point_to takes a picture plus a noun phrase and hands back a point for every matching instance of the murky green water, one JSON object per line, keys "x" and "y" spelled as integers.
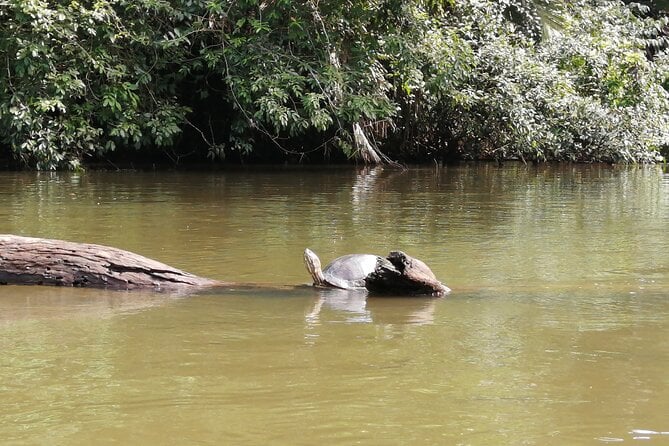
{"x": 557, "y": 331}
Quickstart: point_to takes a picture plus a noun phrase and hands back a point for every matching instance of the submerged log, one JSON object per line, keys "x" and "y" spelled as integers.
{"x": 401, "y": 274}
{"x": 38, "y": 261}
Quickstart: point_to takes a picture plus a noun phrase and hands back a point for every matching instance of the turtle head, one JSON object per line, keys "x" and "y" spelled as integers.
{"x": 313, "y": 264}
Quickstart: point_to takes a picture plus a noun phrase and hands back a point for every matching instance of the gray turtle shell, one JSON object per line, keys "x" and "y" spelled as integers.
{"x": 349, "y": 272}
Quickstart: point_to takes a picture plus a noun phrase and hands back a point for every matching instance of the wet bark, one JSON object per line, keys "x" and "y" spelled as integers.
{"x": 401, "y": 274}
{"x": 37, "y": 261}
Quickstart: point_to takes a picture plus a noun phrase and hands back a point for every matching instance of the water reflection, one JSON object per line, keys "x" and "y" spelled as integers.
{"x": 355, "y": 306}
{"x": 365, "y": 185}
{"x": 31, "y": 303}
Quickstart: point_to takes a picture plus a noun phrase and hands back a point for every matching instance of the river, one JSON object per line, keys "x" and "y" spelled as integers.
{"x": 556, "y": 332}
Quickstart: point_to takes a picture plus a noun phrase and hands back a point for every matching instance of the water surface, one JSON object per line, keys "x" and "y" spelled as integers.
{"x": 557, "y": 330}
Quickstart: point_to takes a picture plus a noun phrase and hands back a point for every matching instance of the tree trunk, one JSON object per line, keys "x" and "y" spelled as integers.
{"x": 37, "y": 261}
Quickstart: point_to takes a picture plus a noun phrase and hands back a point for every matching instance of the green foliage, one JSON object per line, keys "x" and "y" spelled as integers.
{"x": 534, "y": 80}
{"x": 80, "y": 78}
{"x": 585, "y": 93}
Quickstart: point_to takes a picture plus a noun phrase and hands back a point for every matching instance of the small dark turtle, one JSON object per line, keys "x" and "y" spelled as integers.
{"x": 346, "y": 272}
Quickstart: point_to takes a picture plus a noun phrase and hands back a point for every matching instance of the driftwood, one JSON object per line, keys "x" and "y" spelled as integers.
{"x": 38, "y": 261}
{"x": 400, "y": 273}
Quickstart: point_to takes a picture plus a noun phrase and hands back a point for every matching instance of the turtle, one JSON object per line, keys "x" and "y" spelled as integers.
{"x": 347, "y": 272}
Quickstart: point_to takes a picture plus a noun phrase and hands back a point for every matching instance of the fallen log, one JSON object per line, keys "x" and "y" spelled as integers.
{"x": 39, "y": 261}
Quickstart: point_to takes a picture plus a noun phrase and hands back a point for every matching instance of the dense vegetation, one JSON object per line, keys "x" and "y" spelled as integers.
{"x": 416, "y": 80}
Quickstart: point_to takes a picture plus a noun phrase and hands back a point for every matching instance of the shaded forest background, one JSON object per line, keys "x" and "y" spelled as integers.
{"x": 192, "y": 81}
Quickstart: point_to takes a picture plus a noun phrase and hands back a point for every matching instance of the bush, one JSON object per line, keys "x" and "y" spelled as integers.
{"x": 419, "y": 80}
{"x": 585, "y": 93}
{"x": 81, "y": 80}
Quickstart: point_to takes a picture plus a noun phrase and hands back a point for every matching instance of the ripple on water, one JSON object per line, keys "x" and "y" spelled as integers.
{"x": 556, "y": 332}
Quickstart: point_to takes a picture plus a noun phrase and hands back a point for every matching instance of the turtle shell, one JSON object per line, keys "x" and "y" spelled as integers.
{"x": 349, "y": 272}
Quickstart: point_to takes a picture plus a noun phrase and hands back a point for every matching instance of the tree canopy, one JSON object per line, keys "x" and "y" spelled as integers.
{"x": 413, "y": 80}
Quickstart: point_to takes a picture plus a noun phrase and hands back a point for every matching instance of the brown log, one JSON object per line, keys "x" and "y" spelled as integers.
{"x": 38, "y": 261}
{"x": 401, "y": 274}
